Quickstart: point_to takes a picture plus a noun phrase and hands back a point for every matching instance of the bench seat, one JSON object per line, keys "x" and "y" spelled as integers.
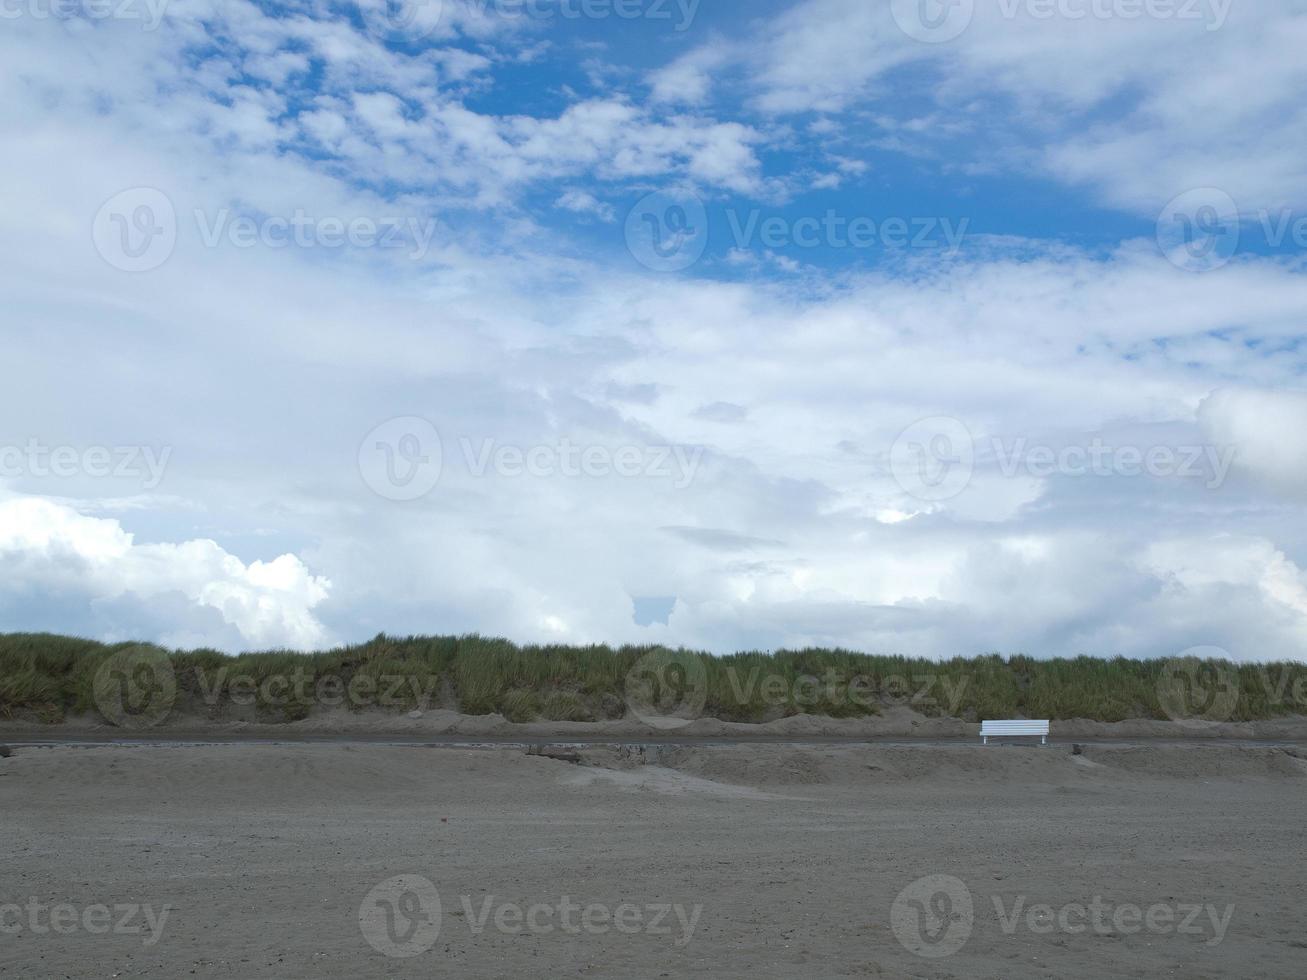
{"x": 1014, "y": 727}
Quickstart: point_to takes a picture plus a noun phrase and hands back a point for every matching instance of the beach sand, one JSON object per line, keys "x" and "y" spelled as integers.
{"x": 743, "y": 861}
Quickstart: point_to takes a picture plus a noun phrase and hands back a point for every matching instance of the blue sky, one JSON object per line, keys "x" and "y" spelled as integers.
{"x": 922, "y": 327}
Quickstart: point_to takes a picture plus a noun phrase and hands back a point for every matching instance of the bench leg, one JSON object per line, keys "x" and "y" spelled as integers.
{"x": 1043, "y": 739}
{"x": 984, "y": 739}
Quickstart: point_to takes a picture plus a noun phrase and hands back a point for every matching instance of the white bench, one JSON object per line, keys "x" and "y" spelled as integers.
{"x": 995, "y": 729}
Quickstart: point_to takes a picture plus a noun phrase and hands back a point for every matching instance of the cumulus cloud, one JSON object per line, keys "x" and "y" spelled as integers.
{"x": 45, "y": 545}
{"x": 264, "y": 370}
{"x": 1267, "y": 431}
{"x": 688, "y": 79}
{"x": 1236, "y": 575}
{"x": 583, "y": 202}
{"x": 1111, "y": 102}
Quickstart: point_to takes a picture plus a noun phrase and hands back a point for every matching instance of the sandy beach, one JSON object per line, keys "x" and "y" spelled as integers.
{"x": 756, "y": 860}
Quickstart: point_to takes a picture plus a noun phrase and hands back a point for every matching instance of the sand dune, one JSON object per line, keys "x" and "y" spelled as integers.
{"x": 895, "y": 722}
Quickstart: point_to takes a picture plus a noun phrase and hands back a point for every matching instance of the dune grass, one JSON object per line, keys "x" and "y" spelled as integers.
{"x": 50, "y": 677}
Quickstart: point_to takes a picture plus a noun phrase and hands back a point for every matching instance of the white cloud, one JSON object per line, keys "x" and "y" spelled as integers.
{"x": 1250, "y": 570}
{"x": 1266, "y": 429}
{"x": 1114, "y": 103}
{"x": 381, "y": 116}
{"x": 263, "y": 369}
{"x": 583, "y": 202}
{"x": 48, "y": 545}
{"x": 688, "y": 80}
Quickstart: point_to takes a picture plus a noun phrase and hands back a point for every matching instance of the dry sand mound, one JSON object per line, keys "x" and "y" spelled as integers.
{"x": 896, "y": 722}
{"x": 765, "y": 766}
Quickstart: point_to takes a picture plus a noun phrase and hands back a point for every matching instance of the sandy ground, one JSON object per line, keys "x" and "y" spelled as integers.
{"x": 757, "y": 860}
{"x": 895, "y": 721}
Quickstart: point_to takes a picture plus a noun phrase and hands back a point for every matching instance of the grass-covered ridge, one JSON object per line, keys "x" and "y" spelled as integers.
{"x": 50, "y": 677}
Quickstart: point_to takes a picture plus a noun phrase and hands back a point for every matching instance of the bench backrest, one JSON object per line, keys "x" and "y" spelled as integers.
{"x": 1016, "y": 727}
